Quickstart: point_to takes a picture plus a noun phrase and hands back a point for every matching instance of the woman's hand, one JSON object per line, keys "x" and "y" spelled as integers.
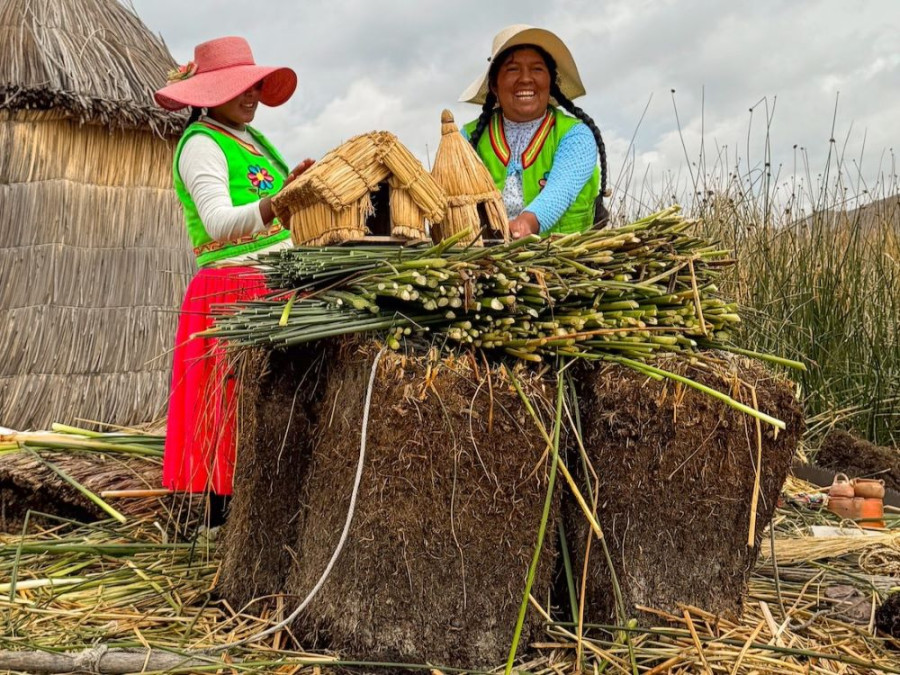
{"x": 265, "y": 204}
{"x": 298, "y": 170}
{"x": 524, "y": 224}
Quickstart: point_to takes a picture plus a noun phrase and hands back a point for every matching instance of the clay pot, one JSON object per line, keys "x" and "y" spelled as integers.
{"x": 849, "y": 508}
{"x": 841, "y": 487}
{"x": 869, "y": 488}
{"x": 872, "y": 513}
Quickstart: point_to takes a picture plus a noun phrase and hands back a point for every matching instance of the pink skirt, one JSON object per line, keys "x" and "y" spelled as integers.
{"x": 200, "y": 437}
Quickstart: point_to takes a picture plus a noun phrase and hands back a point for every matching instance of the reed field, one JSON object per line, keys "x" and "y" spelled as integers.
{"x": 817, "y": 273}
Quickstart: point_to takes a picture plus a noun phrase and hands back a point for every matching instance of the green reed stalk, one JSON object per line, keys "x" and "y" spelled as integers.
{"x": 542, "y": 529}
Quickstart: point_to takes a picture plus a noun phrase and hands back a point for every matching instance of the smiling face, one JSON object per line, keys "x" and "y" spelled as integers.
{"x": 522, "y": 85}
{"x": 239, "y": 111}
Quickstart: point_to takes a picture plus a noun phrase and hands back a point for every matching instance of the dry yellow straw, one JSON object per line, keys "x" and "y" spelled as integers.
{"x": 468, "y": 184}
{"x": 754, "y": 502}
{"x": 331, "y": 201}
{"x": 806, "y": 549}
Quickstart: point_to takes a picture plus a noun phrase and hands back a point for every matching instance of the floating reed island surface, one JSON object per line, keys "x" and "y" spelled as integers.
{"x": 426, "y": 530}
{"x": 142, "y": 592}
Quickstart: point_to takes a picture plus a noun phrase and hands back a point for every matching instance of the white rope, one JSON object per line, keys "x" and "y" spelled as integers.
{"x": 340, "y": 546}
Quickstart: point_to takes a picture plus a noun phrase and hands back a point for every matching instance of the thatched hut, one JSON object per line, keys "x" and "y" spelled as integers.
{"x": 473, "y": 201}
{"x": 370, "y": 185}
{"x": 92, "y": 251}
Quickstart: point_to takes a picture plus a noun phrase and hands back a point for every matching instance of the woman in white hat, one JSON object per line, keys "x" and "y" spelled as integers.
{"x": 542, "y": 160}
{"x": 225, "y": 174}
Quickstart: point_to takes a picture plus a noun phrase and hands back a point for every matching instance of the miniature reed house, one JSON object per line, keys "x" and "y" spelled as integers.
{"x": 473, "y": 201}
{"x": 369, "y": 186}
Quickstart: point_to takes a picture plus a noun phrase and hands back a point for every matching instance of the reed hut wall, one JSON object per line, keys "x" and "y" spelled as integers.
{"x": 93, "y": 256}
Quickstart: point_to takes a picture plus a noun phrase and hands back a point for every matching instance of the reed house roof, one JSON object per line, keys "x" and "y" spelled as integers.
{"x": 93, "y": 59}
{"x": 332, "y": 201}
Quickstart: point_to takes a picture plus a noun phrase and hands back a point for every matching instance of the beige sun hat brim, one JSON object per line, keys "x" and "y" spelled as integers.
{"x": 520, "y": 34}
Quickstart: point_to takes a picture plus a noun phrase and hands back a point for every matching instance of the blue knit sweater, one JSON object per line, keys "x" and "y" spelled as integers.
{"x": 573, "y": 164}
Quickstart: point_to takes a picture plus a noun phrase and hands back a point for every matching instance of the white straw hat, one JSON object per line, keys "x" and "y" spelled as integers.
{"x": 520, "y": 34}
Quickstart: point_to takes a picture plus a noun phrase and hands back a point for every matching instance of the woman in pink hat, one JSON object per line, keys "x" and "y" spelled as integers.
{"x": 225, "y": 174}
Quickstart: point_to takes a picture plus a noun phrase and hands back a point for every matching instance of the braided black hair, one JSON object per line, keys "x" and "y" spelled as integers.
{"x": 484, "y": 118}
{"x": 491, "y": 100}
{"x": 196, "y": 114}
{"x": 601, "y": 146}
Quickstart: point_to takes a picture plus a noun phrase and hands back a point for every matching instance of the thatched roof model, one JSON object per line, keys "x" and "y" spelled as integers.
{"x": 91, "y": 59}
{"x": 331, "y": 201}
{"x": 93, "y": 255}
{"x": 473, "y": 201}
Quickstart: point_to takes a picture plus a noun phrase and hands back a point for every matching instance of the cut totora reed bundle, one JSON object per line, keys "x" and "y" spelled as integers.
{"x": 332, "y": 200}
{"x": 473, "y": 201}
{"x": 626, "y": 296}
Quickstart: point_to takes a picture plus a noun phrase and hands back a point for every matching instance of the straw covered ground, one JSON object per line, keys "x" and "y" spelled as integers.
{"x": 810, "y": 604}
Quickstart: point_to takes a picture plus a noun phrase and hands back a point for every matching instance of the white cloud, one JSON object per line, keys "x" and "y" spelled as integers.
{"x": 394, "y": 64}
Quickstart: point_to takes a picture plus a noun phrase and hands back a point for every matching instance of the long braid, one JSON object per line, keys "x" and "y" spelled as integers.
{"x": 601, "y": 213}
{"x": 196, "y": 114}
{"x": 584, "y": 117}
{"x": 483, "y": 119}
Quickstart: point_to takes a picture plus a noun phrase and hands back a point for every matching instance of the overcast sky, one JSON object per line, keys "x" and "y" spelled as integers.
{"x": 394, "y": 65}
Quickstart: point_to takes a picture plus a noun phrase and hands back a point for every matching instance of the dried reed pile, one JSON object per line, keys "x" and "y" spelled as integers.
{"x": 792, "y": 551}
{"x": 92, "y": 249}
{"x": 473, "y": 201}
{"x": 331, "y": 201}
{"x": 63, "y": 473}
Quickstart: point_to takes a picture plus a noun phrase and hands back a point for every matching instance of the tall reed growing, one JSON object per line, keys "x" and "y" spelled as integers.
{"x": 818, "y": 266}
{"x": 825, "y": 289}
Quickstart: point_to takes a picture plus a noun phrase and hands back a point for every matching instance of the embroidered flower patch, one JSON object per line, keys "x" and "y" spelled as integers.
{"x": 260, "y": 178}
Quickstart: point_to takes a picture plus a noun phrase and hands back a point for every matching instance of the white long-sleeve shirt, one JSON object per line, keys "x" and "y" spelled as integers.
{"x": 204, "y": 171}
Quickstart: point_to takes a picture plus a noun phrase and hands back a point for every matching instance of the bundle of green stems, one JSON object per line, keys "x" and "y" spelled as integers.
{"x": 634, "y": 292}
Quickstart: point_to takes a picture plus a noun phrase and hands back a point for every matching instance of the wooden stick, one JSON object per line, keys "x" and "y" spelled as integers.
{"x": 126, "y": 494}
{"x": 101, "y": 660}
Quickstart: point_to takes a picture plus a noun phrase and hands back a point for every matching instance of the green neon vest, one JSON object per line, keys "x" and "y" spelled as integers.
{"x": 536, "y": 163}
{"x": 251, "y": 176}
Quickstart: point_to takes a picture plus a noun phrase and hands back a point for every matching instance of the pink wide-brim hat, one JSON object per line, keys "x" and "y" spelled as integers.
{"x": 223, "y": 69}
